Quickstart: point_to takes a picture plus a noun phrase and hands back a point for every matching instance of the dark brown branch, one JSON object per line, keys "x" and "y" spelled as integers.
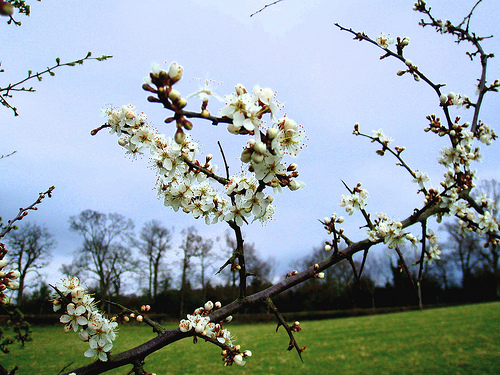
{"x": 407, "y": 270}
{"x": 24, "y": 211}
{"x": 281, "y": 322}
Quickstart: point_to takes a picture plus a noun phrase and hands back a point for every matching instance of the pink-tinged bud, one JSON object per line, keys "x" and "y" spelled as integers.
{"x": 175, "y": 72}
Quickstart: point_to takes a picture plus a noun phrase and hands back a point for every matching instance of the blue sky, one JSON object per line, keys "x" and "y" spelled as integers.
{"x": 327, "y": 81}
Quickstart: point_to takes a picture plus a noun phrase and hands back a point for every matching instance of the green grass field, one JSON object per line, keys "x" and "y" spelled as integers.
{"x": 452, "y": 340}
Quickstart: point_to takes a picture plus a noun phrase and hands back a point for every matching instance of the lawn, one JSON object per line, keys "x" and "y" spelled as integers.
{"x": 452, "y": 340}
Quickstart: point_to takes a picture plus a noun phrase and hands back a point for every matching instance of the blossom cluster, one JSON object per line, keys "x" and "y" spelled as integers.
{"x": 200, "y": 323}
{"x": 82, "y": 316}
{"x": 354, "y": 201}
{"x": 7, "y": 279}
{"x": 186, "y": 183}
{"x": 390, "y": 231}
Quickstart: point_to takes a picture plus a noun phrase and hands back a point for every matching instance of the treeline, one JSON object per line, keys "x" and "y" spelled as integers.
{"x": 176, "y": 276}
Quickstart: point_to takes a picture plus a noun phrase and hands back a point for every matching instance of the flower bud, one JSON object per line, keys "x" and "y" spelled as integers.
{"x": 3, "y": 262}
{"x": 443, "y": 98}
{"x": 272, "y": 133}
{"x": 122, "y": 142}
{"x": 199, "y": 328}
{"x": 209, "y": 305}
{"x": 328, "y": 248}
{"x": 321, "y": 275}
{"x": 179, "y": 136}
{"x": 217, "y": 305}
{"x": 246, "y": 155}
{"x": 247, "y": 353}
{"x": 238, "y": 359}
{"x": 14, "y": 285}
{"x": 175, "y": 72}
{"x": 408, "y": 62}
{"x": 240, "y": 89}
{"x": 233, "y": 129}
{"x": 205, "y": 113}
{"x": 259, "y": 147}
{"x": 401, "y": 72}
{"x": 139, "y": 318}
{"x": 257, "y": 157}
{"x": 174, "y": 95}
{"x": 6, "y": 9}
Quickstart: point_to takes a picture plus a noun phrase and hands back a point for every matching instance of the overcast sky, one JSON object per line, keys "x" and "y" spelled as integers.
{"x": 327, "y": 81}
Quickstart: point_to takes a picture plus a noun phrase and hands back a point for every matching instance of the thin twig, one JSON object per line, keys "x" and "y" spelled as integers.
{"x": 264, "y": 7}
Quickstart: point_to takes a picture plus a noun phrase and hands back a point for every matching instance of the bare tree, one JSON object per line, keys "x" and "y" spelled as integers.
{"x": 206, "y": 257}
{"x": 30, "y": 248}
{"x": 190, "y": 248}
{"x": 490, "y": 252}
{"x": 105, "y": 252}
{"x": 464, "y": 251}
{"x": 154, "y": 242}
